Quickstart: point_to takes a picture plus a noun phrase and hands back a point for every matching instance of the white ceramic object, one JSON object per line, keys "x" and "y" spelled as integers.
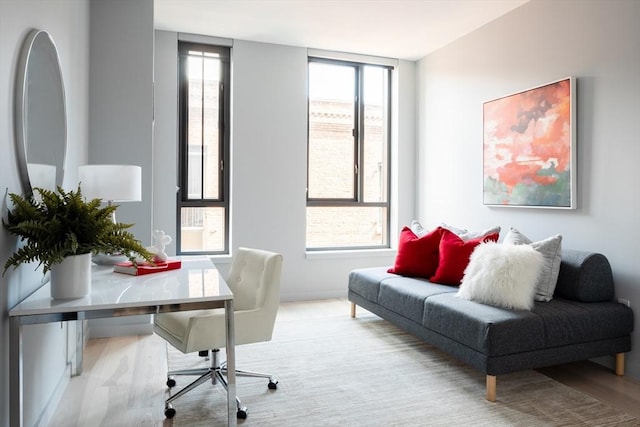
{"x": 71, "y": 278}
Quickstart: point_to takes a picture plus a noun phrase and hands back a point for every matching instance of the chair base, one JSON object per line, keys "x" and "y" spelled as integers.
{"x": 215, "y": 373}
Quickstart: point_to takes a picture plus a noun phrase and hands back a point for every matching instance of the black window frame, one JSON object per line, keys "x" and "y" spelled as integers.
{"x": 182, "y": 199}
{"x": 358, "y": 136}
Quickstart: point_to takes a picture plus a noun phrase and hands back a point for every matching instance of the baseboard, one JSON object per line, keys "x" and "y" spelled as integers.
{"x": 312, "y": 296}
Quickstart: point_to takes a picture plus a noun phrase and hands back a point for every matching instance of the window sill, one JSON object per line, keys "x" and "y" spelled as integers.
{"x": 357, "y": 253}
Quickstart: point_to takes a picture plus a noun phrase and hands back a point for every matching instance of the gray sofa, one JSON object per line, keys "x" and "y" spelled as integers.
{"x": 581, "y": 321}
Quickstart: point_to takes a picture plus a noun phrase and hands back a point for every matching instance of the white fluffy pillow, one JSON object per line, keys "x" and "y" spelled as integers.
{"x": 551, "y": 249}
{"x": 504, "y": 275}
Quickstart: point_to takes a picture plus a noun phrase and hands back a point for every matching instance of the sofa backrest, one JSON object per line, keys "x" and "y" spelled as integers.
{"x": 584, "y": 276}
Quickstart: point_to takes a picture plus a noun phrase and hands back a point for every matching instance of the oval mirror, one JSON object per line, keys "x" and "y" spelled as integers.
{"x": 40, "y": 114}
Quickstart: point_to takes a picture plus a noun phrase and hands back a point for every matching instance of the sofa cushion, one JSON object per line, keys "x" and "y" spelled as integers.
{"x": 454, "y": 257}
{"x": 584, "y": 276}
{"x": 417, "y": 256}
{"x": 406, "y": 295}
{"x": 570, "y": 322}
{"x": 493, "y": 331}
{"x": 366, "y": 281}
{"x": 467, "y": 235}
{"x": 502, "y": 275}
{"x": 417, "y": 228}
{"x": 497, "y": 331}
{"x": 463, "y": 233}
{"x": 550, "y": 248}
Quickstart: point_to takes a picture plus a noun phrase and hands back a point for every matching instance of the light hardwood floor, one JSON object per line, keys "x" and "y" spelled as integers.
{"x": 119, "y": 381}
{"x": 622, "y": 392}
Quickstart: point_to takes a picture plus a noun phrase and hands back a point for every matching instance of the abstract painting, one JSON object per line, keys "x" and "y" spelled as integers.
{"x": 529, "y": 153}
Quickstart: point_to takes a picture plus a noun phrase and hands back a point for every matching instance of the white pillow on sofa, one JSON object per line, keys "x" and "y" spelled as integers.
{"x": 418, "y": 229}
{"x": 504, "y": 275}
{"x": 467, "y": 235}
{"x": 463, "y": 233}
{"x": 551, "y": 250}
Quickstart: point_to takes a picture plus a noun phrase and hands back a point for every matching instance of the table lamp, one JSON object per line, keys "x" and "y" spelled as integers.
{"x": 111, "y": 183}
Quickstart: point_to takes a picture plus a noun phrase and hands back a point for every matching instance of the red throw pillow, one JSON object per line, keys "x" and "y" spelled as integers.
{"x": 417, "y": 256}
{"x": 454, "y": 256}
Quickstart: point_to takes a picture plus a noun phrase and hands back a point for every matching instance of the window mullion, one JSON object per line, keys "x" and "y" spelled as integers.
{"x": 357, "y": 182}
{"x": 222, "y": 131}
{"x": 183, "y": 112}
{"x": 202, "y": 132}
{"x": 356, "y": 173}
{"x": 360, "y": 143}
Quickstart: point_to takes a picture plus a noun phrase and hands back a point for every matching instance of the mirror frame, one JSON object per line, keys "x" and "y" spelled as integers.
{"x": 21, "y": 105}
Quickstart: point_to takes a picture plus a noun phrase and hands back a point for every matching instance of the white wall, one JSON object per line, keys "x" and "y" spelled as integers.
{"x": 44, "y": 345}
{"x": 599, "y": 43}
{"x": 121, "y": 99}
{"x": 165, "y": 147}
{"x": 268, "y": 161}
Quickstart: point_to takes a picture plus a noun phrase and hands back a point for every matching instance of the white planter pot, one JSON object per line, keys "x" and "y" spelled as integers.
{"x": 71, "y": 278}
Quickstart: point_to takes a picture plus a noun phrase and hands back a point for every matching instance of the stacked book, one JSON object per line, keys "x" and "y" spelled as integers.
{"x": 141, "y": 268}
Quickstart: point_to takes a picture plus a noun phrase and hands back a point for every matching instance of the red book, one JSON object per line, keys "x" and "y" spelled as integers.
{"x": 127, "y": 267}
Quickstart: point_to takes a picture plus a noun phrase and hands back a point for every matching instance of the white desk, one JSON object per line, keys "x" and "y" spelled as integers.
{"x": 197, "y": 285}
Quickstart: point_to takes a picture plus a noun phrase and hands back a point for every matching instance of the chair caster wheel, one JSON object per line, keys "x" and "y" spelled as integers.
{"x": 171, "y": 382}
{"x": 169, "y": 412}
{"x": 273, "y": 385}
{"x": 242, "y": 413}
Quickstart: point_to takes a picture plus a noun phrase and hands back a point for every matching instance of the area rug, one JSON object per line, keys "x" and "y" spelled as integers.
{"x": 338, "y": 371}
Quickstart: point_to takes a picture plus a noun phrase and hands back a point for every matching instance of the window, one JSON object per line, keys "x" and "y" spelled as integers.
{"x": 348, "y": 155}
{"x": 203, "y": 194}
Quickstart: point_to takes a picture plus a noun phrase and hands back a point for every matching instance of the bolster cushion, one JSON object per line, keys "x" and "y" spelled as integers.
{"x": 585, "y": 277}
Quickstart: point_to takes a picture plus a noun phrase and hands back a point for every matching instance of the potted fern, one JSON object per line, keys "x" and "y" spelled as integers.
{"x": 61, "y": 230}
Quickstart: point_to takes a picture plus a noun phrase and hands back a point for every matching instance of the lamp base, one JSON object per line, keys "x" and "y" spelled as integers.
{"x": 108, "y": 259}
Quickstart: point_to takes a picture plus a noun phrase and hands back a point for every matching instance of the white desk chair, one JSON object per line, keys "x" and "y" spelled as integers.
{"x": 254, "y": 279}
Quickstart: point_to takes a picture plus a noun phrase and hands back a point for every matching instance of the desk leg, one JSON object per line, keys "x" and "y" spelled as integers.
{"x": 80, "y": 323}
{"x": 231, "y": 364}
{"x": 15, "y": 372}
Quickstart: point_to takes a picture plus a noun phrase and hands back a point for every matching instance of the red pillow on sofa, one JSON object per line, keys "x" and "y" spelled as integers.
{"x": 454, "y": 256}
{"x": 417, "y": 256}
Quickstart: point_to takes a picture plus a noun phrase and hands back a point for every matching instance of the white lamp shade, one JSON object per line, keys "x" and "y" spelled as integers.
{"x": 114, "y": 183}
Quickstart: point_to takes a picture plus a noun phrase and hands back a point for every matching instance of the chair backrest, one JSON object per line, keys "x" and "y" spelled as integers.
{"x": 254, "y": 279}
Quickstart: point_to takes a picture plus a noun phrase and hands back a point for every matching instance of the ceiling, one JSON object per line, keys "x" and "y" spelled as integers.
{"x": 404, "y": 29}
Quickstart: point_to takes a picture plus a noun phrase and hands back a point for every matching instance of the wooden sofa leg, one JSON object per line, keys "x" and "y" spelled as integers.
{"x": 620, "y": 364}
{"x": 491, "y": 388}
{"x": 353, "y": 310}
